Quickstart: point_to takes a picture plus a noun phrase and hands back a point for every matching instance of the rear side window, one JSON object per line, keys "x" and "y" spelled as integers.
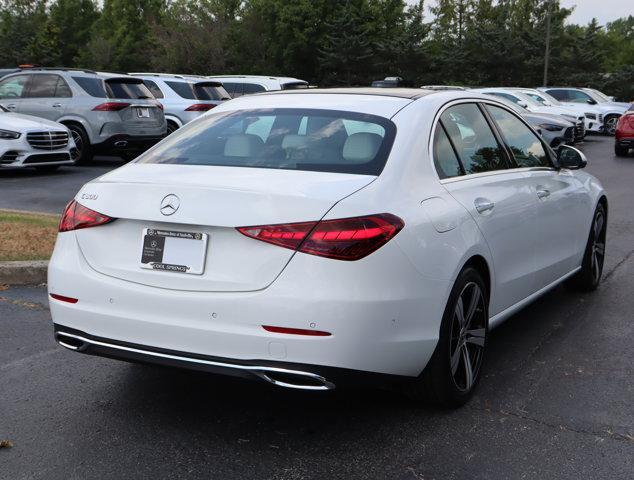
{"x": 92, "y": 86}
{"x": 473, "y": 139}
{"x": 233, "y": 89}
{"x": 48, "y": 86}
{"x": 445, "y": 160}
{"x": 13, "y": 87}
{"x": 290, "y": 139}
{"x": 154, "y": 88}
{"x": 182, "y": 89}
{"x": 127, "y": 89}
{"x": 526, "y": 147}
{"x": 210, "y": 91}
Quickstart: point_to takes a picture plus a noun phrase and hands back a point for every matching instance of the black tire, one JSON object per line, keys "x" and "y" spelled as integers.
{"x": 620, "y": 151}
{"x": 609, "y": 124}
{"x": 446, "y": 380}
{"x": 589, "y": 277}
{"x": 171, "y": 127}
{"x": 47, "y": 168}
{"x": 84, "y": 151}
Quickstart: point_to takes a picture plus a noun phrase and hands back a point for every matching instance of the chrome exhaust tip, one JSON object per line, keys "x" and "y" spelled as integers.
{"x": 71, "y": 342}
{"x": 294, "y": 379}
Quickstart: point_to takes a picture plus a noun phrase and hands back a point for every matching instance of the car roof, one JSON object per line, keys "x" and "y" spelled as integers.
{"x": 259, "y": 77}
{"x": 409, "y": 93}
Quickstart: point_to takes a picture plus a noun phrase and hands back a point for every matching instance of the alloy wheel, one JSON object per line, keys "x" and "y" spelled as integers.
{"x": 610, "y": 125}
{"x": 598, "y": 247}
{"x": 79, "y": 142}
{"x": 468, "y": 336}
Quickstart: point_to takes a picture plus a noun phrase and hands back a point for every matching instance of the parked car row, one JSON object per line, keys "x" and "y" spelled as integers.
{"x": 107, "y": 113}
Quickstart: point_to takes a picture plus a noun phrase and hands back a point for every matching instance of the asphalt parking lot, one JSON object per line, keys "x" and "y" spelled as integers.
{"x": 555, "y": 401}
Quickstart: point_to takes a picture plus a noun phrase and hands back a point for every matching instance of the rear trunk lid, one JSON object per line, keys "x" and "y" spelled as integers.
{"x": 142, "y": 116}
{"x": 212, "y": 201}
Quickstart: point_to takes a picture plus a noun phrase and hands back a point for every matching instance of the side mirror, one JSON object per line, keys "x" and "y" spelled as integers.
{"x": 571, "y": 158}
{"x": 591, "y": 101}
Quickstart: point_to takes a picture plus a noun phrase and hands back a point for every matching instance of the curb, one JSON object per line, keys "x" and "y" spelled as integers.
{"x": 23, "y": 273}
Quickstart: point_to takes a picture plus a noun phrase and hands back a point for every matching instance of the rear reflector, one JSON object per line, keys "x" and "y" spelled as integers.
{"x": 342, "y": 239}
{"x": 111, "y": 106}
{"x": 200, "y": 107}
{"x": 76, "y": 216}
{"x": 296, "y": 331}
{"x": 62, "y": 298}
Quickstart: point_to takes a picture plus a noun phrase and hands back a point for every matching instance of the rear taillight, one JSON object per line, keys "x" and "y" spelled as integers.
{"x": 342, "y": 239}
{"x": 111, "y": 106}
{"x": 200, "y": 107}
{"x": 76, "y": 216}
{"x": 160, "y": 105}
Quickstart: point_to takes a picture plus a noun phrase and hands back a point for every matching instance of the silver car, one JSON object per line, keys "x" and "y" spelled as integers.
{"x": 183, "y": 98}
{"x": 106, "y": 113}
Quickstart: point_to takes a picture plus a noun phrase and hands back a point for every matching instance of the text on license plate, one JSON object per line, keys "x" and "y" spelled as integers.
{"x": 174, "y": 251}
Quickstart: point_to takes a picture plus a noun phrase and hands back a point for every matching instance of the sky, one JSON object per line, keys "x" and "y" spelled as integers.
{"x": 604, "y": 10}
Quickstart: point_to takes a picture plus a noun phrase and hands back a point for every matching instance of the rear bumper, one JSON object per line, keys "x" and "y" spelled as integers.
{"x": 122, "y": 143}
{"x": 283, "y": 374}
{"x": 625, "y": 142}
{"x": 385, "y": 324}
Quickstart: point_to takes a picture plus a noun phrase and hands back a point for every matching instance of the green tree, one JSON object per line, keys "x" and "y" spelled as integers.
{"x": 72, "y": 20}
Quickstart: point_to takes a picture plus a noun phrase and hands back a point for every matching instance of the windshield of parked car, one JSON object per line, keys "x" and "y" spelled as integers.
{"x": 544, "y": 98}
{"x": 291, "y": 139}
{"x": 599, "y": 96}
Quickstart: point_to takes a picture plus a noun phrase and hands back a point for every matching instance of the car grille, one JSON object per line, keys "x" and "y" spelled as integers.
{"x": 9, "y": 157}
{"x": 47, "y": 140}
{"x": 47, "y": 157}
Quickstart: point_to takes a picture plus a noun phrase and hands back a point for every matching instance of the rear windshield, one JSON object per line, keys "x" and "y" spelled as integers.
{"x": 127, "y": 88}
{"x": 290, "y": 139}
{"x": 211, "y": 91}
{"x": 114, "y": 88}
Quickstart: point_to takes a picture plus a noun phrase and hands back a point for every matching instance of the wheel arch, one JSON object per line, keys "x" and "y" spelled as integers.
{"x": 79, "y": 122}
{"x": 479, "y": 263}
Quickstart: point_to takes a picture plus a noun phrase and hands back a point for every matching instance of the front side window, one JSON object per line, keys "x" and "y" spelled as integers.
{"x": 527, "y": 148}
{"x": 13, "y": 87}
{"x": 445, "y": 160}
{"x": 291, "y": 139}
{"x": 473, "y": 139}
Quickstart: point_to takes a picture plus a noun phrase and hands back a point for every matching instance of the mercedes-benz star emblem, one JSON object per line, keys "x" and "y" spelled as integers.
{"x": 170, "y": 204}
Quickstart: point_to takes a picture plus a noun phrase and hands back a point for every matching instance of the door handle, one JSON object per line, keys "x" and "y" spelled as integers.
{"x": 483, "y": 205}
{"x": 57, "y": 105}
{"x": 543, "y": 192}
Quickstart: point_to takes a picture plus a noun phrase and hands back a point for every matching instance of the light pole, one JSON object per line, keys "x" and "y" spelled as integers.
{"x": 547, "y": 52}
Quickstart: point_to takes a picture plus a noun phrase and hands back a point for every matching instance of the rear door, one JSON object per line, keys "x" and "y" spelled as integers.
{"x": 12, "y": 90}
{"x": 498, "y": 198}
{"x": 561, "y": 200}
{"x": 47, "y": 96}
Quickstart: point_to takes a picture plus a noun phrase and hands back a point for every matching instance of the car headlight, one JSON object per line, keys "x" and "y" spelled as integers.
{"x": 591, "y": 116}
{"x": 9, "y": 135}
{"x": 550, "y": 127}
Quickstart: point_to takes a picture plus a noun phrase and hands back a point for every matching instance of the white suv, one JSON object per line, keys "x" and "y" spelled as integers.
{"x": 238, "y": 85}
{"x": 27, "y": 141}
{"x": 183, "y": 98}
{"x": 610, "y": 110}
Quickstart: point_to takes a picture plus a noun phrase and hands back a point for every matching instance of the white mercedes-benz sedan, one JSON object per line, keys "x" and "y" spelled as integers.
{"x": 314, "y": 238}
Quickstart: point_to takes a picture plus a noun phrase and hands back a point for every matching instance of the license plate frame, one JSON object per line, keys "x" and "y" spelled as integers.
{"x": 173, "y": 251}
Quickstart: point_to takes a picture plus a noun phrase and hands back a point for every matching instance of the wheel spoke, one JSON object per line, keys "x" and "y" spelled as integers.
{"x": 476, "y": 336}
{"x": 595, "y": 266}
{"x": 468, "y": 369}
{"x": 598, "y": 226}
{"x": 599, "y": 247}
{"x": 455, "y": 360}
{"x": 473, "y": 304}
{"x": 459, "y": 312}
